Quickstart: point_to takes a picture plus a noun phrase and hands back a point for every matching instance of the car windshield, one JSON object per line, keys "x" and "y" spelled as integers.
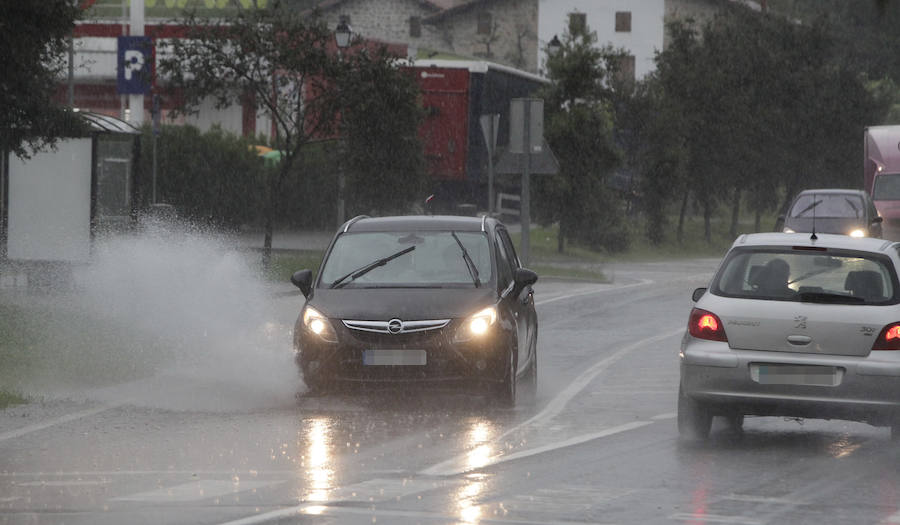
{"x": 436, "y": 261}
{"x": 807, "y": 275}
{"x": 887, "y": 187}
{"x": 825, "y": 205}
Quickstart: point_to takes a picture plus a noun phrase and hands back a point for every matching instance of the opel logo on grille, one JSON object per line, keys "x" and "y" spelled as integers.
{"x": 395, "y": 326}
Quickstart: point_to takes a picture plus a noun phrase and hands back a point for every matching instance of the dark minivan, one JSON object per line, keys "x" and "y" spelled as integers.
{"x": 840, "y": 211}
{"x": 418, "y": 299}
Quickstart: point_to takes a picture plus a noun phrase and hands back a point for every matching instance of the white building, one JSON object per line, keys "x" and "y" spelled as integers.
{"x": 638, "y": 26}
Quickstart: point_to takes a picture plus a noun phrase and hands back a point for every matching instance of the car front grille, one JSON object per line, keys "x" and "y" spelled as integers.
{"x": 396, "y": 326}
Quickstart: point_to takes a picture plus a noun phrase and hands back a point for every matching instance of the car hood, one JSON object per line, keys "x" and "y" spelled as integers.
{"x": 839, "y": 225}
{"x": 408, "y": 304}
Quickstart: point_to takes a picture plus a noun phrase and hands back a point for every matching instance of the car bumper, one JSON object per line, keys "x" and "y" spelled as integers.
{"x": 866, "y": 389}
{"x": 447, "y": 362}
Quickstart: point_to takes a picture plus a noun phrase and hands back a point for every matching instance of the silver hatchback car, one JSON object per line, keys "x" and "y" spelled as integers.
{"x": 795, "y": 325}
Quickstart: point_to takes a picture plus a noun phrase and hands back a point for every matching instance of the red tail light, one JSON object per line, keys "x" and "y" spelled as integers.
{"x": 889, "y": 338}
{"x": 706, "y": 325}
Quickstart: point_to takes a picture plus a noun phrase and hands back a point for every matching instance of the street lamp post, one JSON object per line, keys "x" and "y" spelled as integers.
{"x": 342, "y": 34}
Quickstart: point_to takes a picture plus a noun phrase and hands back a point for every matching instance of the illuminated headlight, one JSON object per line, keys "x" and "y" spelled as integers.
{"x": 788, "y": 230}
{"x": 858, "y": 233}
{"x": 318, "y": 324}
{"x": 477, "y": 325}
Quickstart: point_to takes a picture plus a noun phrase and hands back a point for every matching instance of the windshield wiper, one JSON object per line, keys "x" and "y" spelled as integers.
{"x": 824, "y": 297}
{"x": 806, "y": 209}
{"x": 852, "y": 206}
{"x": 473, "y": 271}
{"x": 359, "y": 272}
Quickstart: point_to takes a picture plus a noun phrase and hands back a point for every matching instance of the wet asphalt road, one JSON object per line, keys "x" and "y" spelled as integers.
{"x": 598, "y": 443}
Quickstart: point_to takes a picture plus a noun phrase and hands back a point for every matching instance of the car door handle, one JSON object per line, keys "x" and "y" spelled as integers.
{"x": 799, "y": 340}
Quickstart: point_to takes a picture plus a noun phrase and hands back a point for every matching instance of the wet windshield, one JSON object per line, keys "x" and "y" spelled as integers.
{"x": 797, "y": 275}
{"x": 823, "y": 205}
{"x": 436, "y": 261}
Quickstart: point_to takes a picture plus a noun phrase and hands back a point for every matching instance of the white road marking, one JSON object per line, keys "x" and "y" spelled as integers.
{"x": 715, "y": 518}
{"x": 763, "y": 499}
{"x": 893, "y": 518}
{"x": 668, "y": 415}
{"x": 454, "y": 467}
{"x": 57, "y": 421}
{"x": 592, "y": 290}
{"x": 195, "y": 490}
{"x": 82, "y": 473}
{"x": 10, "y": 499}
{"x": 61, "y": 483}
{"x": 319, "y": 510}
{"x": 380, "y": 489}
{"x": 553, "y": 408}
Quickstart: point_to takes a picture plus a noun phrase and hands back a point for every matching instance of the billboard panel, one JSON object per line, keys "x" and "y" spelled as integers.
{"x": 50, "y": 204}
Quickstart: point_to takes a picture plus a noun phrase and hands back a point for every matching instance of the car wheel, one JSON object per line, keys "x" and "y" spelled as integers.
{"x": 506, "y": 390}
{"x": 530, "y": 379}
{"x": 694, "y": 419}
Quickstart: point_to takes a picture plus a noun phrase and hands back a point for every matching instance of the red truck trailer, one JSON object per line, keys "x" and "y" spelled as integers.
{"x": 455, "y": 93}
{"x": 882, "y": 175}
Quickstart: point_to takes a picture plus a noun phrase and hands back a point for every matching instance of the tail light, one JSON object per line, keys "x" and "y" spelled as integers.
{"x": 707, "y": 325}
{"x": 889, "y": 338}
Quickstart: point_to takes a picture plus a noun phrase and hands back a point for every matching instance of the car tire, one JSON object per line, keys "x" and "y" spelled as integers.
{"x": 505, "y": 394}
{"x": 694, "y": 418}
{"x": 530, "y": 379}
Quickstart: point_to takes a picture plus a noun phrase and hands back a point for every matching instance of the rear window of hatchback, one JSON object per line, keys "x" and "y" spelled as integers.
{"x": 808, "y": 274}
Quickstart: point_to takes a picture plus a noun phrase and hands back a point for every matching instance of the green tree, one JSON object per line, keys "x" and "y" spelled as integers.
{"x": 761, "y": 107}
{"x": 284, "y": 62}
{"x": 33, "y": 42}
{"x": 579, "y": 129}
{"x": 273, "y": 58}
{"x": 382, "y": 153}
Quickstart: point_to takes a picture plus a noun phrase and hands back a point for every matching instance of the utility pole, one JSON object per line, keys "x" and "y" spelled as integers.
{"x": 136, "y": 19}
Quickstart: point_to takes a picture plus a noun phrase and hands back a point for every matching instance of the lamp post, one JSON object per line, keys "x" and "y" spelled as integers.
{"x": 553, "y": 46}
{"x": 342, "y": 35}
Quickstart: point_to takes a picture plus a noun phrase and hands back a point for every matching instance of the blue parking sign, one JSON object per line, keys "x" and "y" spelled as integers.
{"x": 135, "y": 65}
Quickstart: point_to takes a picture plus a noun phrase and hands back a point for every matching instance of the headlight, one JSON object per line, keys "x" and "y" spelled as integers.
{"x": 858, "y": 233}
{"x": 788, "y": 230}
{"x": 318, "y": 324}
{"x": 477, "y": 325}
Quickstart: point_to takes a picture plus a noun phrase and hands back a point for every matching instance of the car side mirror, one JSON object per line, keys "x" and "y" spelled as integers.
{"x": 877, "y": 220}
{"x": 302, "y": 279}
{"x": 698, "y": 293}
{"x": 524, "y": 277}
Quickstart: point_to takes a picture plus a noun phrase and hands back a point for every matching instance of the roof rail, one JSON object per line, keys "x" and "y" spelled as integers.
{"x": 483, "y": 220}
{"x": 353, "y": 220}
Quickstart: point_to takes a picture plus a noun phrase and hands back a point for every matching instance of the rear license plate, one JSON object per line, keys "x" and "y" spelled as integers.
{"x": 796, "y": 375}
{"x": 394, "y": 357}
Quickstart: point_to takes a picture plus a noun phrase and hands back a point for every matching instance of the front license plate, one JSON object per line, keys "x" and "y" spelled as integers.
{"x": 394, "y": 357}
{"x": 796, "y": 375}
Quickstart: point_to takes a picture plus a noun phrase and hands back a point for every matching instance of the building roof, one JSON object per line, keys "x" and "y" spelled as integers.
{"x": 105, "y": 124}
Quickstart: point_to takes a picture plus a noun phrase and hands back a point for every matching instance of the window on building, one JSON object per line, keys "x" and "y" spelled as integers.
{"x": 415, "y": 26}
{"x": 485, "y": 22}
{"x": 577, "y": 22}
{"x": 625, "y": 70}
{"x": 623, "y": 21}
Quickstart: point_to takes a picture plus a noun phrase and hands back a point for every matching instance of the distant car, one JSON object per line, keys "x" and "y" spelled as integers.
{"x": 844, "y": 212}
{"x": 419, "y": 299}
{"x": 792, "y": 326}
